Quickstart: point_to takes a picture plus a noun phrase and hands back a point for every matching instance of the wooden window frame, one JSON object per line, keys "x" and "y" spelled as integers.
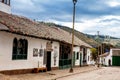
{"x": 20, "y": 48}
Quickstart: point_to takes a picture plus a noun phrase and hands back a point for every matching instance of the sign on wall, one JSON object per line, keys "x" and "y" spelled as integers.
{"x": 35, "y": 52}
{"x": 49, "y": 46}
{"x": 38, "y": 52}
{"x": 55, "y": 56}
{"x": 41, "y": 52}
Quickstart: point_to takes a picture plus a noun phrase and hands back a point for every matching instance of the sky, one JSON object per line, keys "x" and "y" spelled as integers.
{"x": 91, "y": 15}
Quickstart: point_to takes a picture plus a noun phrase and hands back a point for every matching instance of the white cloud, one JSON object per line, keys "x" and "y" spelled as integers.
{"x": 113, "y": 3}
{"x": 26, "y": 5}
{"x": 91, "y": 26}
{"x": 49, "y": 1}
{"x": 89, "y": 23}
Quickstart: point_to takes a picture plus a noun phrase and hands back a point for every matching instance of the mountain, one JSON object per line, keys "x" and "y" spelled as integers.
{"x": 102, "y": 37}
{"x": 105, "y": 39}
{"x": 90, "y": 39}
{"x": 80, "y": 35}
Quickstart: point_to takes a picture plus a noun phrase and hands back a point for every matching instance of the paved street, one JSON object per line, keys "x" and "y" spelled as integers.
{"x": 106, "y": 73}
{"x": 80, "y": 73}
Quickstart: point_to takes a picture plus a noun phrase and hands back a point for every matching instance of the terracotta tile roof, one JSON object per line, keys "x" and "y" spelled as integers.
{"x": 26, "y": 26}
{"x": 116, "y": 52}
{"x": 104, "y": 55}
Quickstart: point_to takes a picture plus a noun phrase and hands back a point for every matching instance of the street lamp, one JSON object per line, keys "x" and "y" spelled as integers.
{"x": 74, "y": 3}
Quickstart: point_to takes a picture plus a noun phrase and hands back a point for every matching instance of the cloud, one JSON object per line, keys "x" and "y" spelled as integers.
{"x": 114, "y": 3}
{"x": 26, "y": 7}
{"x": 54, "y": 9}
{"x": 107, "y": 25}
{"x": 91, "y": 16}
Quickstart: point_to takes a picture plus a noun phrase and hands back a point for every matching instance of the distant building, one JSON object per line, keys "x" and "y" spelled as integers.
{"x": 114, "y": 42}
{"x": 5, "y": 6}
{"x": 111, "y": 58}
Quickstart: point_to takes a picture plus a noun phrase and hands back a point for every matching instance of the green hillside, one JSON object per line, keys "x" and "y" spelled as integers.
{"x": 80, "y": 35}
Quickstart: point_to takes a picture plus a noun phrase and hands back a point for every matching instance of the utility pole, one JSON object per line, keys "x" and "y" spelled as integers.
{"x": 98, "y": 49}
{"x": 74, "y": 3}
{"x": 101, "y": 49}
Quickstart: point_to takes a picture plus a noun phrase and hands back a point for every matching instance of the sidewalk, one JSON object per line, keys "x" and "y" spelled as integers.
{"x": 78, "y": 70}
{"x": 52, "y": 75}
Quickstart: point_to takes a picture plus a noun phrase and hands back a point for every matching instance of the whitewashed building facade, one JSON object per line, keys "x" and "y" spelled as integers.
{"x": 32, "y": 59}
{"x": 5, "y": 6}
{"x": 82, "y": 56}
{"x": 25, "y": 45}
{"x": 111, "y": 58}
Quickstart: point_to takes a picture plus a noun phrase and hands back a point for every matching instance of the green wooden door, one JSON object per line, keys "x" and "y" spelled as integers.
{"x": 116, "y": 60}
{"x": 74, "y": 58}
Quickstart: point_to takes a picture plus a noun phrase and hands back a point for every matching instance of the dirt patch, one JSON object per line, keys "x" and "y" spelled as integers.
{"x": 51, "y": 74}
{"x": 6, "y": 77}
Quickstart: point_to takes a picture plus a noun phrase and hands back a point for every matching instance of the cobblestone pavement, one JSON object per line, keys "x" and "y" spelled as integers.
{"x": 50, "y": 75}
{"x": 106, "y": 73}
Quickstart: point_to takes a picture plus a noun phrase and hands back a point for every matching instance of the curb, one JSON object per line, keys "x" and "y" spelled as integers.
{"x": 74, "y": 74}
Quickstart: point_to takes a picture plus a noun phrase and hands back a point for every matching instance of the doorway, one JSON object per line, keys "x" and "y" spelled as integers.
{"x": 48, "y": 65}
{"x": 80, "y": 59}
{"x": 109, "y": 62}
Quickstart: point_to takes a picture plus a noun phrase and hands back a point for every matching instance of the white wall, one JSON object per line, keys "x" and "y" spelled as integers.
{"x": 77, "y": 49}
{"x": 6, "y": 45}
{"x": 110, "y": 56}
{"x": 105, "y": 60}
{"x": 77, "y": 62}
{"x": 5, "y": 8}
{"x": 55, "y": 44}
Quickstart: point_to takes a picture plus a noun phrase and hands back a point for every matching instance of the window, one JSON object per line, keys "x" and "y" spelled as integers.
{"x": 5, "y": 1}
{"x": 74, "y": 55}
{"x": 19, "y": 49}
{"x": 45, "y": 57}
{"x": 77, "y": 55}
{"x": 88, "y": 58}
{"x": 104, "y": 60}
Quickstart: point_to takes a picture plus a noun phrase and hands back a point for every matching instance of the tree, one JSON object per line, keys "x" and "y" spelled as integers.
{"x": 94, "y": 53}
